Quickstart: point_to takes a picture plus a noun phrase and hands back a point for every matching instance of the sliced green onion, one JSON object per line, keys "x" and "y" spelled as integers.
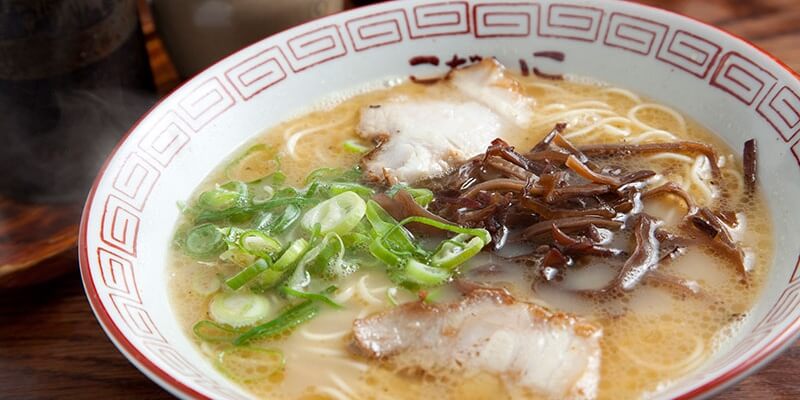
{"x": 286, "y": 193}
{"x": 238, "y": 309}
{"x": 263, "y": 194}
{"x": 424, "y": 275}
{"x": 312, "y": 296}
{"x": 287, "y": 320}
{"x": 231, "y": 234}
{"x": 336, "y": 188}
{"x": 250, "y": 364}
{"x": 333, "y": 175}
{"x": 248, "y": 211}
{"x": 379, "y": 251}
{"x": 454, "y": 252}
{"x": 204, "y": 241}
{"x": 231, "y": 194}
{"x": 258, "y": 243}
{"x": 326, "y": 258}
{"x": 275, "y": 179}
{"x": 248, "y": 274}
{"x": 339, "y": 214}
{"x": 323, "y": 173}
{"x": 237, "y": 255}
{"x": 356, "y": 240}
{"x": 264, "y": 220}
{"x": 311, "y": 191}
{"x": 422, "y": 196}
{"x": 292, "y": 253}
{"x": 291, "y": 214}
{"x": 300, "y": 277}
{"x": 211, "y": 331}
{"x": 399, "y": 240}
{"x": 275, "y": 273}
{"x": 355, "y": 147}
{"x": 481, "y": 233}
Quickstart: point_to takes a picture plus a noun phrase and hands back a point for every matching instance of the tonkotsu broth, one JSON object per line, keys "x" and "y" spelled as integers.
{"x": 650, "y": 336}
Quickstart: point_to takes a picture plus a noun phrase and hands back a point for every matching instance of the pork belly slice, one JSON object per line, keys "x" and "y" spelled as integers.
{"x": 419, "y": 139}
{"x": 554, "y": 355}
{"x": 488, "y": 83}
{"x": 422, "y": 139}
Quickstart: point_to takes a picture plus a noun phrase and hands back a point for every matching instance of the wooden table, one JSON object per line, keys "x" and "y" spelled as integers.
{"x": 52, "y": 347}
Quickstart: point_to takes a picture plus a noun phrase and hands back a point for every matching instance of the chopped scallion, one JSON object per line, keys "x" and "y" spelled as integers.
{"x": 291, "y": 214}
{"x": 454, "y": 252}
{"x": 288, "y": 319}
{"x": 238, "y": 309}
{"x": 229, "y": 195}
{"x": 339, "y": 214}
{"x": 312, "y": 296}
{"x": 278, "y": 270}
{"x": 258, "y": 243}
{"x": 211, "y": 331}
{"x": 424, "y": 275}
{"x": 421, "y": 195}
{"x": 336, "y": 188}
{"x": 353, "y": 146}
{"x": 483, "y": 234}
{"x": 248, "y": 274}
{"x": 204, "y": 241}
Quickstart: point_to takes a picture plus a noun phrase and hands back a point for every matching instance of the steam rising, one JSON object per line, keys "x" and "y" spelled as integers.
{"x": 54, "y": 143}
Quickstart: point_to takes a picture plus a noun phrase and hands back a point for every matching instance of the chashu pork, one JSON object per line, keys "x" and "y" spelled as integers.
{"x": 419, "y": 139}
{"x": 553, "y": 355}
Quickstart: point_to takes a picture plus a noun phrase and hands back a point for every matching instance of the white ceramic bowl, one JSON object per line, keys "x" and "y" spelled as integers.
{"x": 728, "y": 85}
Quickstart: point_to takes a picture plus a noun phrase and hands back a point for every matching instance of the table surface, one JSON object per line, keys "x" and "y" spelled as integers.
{"x": 52, "y": 347}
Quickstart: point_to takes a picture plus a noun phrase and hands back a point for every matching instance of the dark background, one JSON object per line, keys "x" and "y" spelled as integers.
{"x": 52, "y": 347}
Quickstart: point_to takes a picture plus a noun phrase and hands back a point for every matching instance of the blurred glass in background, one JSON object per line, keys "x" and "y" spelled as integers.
{"x": 74, "y": 75}
{"x": 199, "y": 32}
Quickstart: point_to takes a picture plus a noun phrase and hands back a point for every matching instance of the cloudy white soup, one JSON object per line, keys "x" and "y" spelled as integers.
{"x": 482, "y": 235}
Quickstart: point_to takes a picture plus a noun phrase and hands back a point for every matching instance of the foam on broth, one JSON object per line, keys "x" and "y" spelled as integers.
{"x": 650, "y": 336}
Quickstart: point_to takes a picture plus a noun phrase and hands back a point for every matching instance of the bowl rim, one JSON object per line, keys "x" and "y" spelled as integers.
{"x": 768, "y": 352}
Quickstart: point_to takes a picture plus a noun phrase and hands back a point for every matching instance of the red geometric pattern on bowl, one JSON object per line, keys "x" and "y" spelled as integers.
{"x": 377, "y": 29}
{"x": 742, "y": 78}
{"x": 257, "y": 73}
{"x": 782, "y": 111}
{"x": 120, "y": 225}
{"x": 165, "y": 139}
{"x": 113, "y": 289}
{"x": 135, "y": 180}
{"x": 117, "y": 274}
{"x": 633, "y": 33}
{"x": 440, "y": 19}
{"x": 504, "y": 19}
{"x": 316, "y": 47}
{"x": 206, "y": 102}
{"x": 690, "y": 53}
{"x": 572, "y": 22}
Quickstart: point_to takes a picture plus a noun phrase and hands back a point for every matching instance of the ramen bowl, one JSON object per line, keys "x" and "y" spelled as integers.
{"x": 726, "y": 84}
